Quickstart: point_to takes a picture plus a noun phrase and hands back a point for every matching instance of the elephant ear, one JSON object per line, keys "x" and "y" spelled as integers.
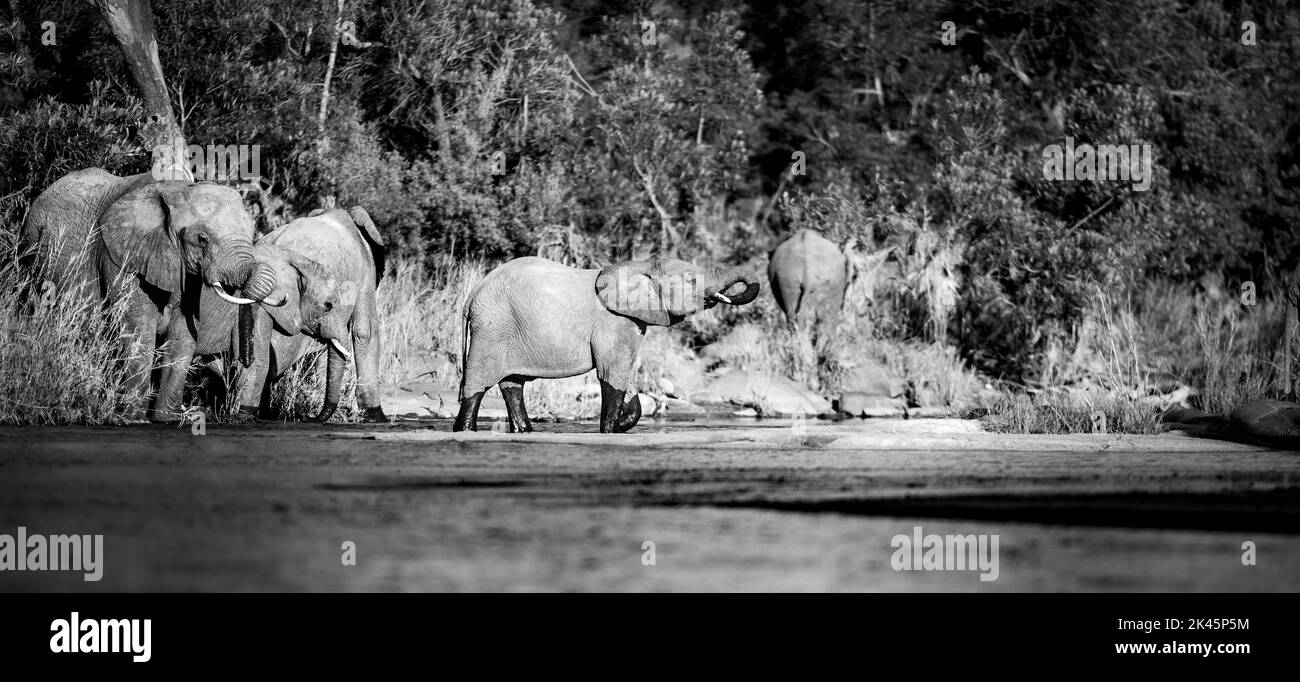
{"x": 138, "y": 234}
{"x": 373, "y": 239}
{"x": 644, "y": 291}
{"x": 318, "y": 291}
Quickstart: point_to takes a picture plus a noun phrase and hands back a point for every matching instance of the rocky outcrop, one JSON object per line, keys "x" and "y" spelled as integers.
{"x": 871, "y": 390}
{"x": 768, "y": 395}
{"x": 1267, "y": 419}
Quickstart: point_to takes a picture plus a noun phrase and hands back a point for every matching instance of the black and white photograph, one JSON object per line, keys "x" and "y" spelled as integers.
{"x": 927, "y": 297}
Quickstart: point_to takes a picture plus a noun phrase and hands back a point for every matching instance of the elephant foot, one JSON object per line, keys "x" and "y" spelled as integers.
{"x": 375, "y": 415}
{"x": 617, "y": 416}
{"x": 628, "y": 415}
{"x": 513, "y": 393}
{"x": 467, "y": 418}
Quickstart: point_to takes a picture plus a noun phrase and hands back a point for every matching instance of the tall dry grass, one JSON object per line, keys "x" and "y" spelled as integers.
{"x": 65, "y": 356}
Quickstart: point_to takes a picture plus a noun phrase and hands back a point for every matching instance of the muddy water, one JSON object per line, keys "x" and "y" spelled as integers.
{"x": 268, "y": 508}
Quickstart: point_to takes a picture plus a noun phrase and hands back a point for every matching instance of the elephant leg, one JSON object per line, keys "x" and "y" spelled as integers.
{"x": 629, "y": 414}
{"x": 253, "y": 379}
{"x": 512, "y": 389}
{"x": 141, "y": 340}
{"x": 611, "y": 408}
{"x": 467, "y": 419}
{"x": 215, "y": 384}
{"x": 366, "y": 345}
{"x": 333, "y": 383}
{"x": 176, "y": 369}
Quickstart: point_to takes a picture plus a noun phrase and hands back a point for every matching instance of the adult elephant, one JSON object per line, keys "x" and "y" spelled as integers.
{"x": 180, "y": 254}
{"x": 533, "y": 318}
{"x": 808, "y": 274}
{"x": 328, "y": 266}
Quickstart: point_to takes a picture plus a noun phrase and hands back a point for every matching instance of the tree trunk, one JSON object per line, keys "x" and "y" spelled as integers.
{"x": 131, "y": 22}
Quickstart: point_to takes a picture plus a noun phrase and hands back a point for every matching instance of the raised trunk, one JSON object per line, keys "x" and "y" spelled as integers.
{"x": 726, "y": 279}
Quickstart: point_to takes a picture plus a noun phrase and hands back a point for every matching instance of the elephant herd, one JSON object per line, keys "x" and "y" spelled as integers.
{"x": 185, "y": 261}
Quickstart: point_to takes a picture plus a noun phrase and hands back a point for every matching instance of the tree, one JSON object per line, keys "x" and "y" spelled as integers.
{"x": 131, "y": 22}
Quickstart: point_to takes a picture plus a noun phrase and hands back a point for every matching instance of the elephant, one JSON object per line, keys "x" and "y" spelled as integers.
{"x": 174, "y": 250}
{"x": 532, "y": 318}
{"x": 328, "y": 266}
{"x": 808, "y": 274}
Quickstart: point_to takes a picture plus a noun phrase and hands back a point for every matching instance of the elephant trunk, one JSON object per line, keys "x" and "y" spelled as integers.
{"x": 256, "y": 280}
{"x": 729, "y": 278}
{"x": 238, "y": 268}
{"x": 246, "y": 350}
{"x": 333, "y": 382}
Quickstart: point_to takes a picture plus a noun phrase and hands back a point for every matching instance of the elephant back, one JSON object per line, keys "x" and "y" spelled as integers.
{"x": 60, "y": 234}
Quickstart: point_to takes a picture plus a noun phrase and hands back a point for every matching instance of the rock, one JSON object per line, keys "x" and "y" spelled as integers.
{"x": 1267, "y": 418}
{"x": 770, "y": 395}
{"x": 743, "y": 342}
{"x": 873, "y": 378}
{"x": 871, "y": 390}
{"x": 648, "y": 404}
{"x": 673, "y": 406}
{"x": 407, "y": 404}
{"x": 1185, "y": 415}
{"x": 858, "y": 404}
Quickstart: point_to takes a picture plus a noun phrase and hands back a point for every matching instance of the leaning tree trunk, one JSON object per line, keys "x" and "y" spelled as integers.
{"x": 131, "y": 22}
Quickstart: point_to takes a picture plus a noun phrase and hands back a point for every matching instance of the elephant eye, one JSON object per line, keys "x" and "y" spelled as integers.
{"x": 202, "y": 240}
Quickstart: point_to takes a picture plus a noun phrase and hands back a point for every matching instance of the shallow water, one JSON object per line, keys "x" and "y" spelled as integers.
{"x": 268, "y": 507}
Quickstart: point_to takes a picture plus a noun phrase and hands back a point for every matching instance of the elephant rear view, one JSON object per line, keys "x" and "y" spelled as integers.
{"x": 808, "y": 274}
{"x": 533, "y": 318}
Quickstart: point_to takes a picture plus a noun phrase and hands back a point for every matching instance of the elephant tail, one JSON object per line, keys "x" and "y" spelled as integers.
{"x": 464, "y": 347}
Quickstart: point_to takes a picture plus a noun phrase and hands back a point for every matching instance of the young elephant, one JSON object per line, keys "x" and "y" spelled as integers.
{"x": 533, "y": 318}
{"x": 328, "y": 266}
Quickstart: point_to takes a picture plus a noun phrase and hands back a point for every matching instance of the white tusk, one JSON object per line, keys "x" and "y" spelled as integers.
{"x": 722, "y": 298}
{"x": 338, "y": 346}
{"x": 284, "y": 298}
{"x": 221, "y": 291}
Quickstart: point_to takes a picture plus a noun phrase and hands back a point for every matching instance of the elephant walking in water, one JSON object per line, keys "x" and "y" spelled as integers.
{"x": 533, "y": 318}
{"x": 179, "y": 253}
{"x": 327, "y": 266}
{"x": 808, "y": 274}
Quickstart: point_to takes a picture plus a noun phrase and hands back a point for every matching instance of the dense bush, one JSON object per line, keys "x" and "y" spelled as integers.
{"x": 498, "y": 128}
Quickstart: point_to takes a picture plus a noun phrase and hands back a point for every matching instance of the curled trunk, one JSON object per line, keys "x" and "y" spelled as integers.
{"x": 728, "y": 278}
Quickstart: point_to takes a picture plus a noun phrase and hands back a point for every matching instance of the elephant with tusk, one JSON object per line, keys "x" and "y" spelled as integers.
{"x": 328, "y": 266}
{"x": 533, "y": 318}
{"x": 156, "y": 244}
